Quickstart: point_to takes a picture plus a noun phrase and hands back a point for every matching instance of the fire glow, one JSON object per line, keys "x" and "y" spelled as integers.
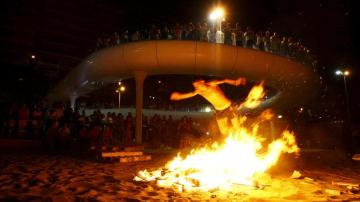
{"x": 240, "y": 159}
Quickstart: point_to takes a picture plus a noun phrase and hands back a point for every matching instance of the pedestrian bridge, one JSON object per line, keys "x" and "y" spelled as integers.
{"x": 296, "y": 84}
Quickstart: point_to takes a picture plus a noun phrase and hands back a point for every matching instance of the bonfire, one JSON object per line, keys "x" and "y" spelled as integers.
{"x": 241, "y": 158}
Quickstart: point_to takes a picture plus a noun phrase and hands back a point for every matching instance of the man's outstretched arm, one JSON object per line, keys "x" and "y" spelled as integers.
{"x": 181, "y": 96}
{"x": 237, "y": 82}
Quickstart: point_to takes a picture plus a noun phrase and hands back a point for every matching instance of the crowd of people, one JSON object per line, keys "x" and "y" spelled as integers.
{"x": 59, "y": 127}
{"x": 231, "y": 35}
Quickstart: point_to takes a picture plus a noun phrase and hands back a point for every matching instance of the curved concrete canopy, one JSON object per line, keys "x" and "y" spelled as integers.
{"x": 295, "y": 82}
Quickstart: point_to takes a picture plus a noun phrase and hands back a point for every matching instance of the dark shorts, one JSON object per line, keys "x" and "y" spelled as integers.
{"x": 229, "y": 113}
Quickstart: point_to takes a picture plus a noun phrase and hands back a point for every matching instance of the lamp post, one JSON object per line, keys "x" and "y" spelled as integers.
{"x": 120, "y": 89}
{"x": 346, "y": 125}
{"x": 344, "y": 74}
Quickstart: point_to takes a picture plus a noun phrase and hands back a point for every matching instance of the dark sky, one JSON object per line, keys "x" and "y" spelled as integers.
{"x": 62, "y": 32}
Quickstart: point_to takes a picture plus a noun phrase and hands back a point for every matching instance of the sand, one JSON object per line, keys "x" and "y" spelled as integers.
{"x": 43, "y": 177}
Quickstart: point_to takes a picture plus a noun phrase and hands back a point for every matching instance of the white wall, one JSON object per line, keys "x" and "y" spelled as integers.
{"x": 151, "y": 112}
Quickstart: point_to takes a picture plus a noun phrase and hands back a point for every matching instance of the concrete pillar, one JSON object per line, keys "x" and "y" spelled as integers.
{"x": 73, "y": 98}
{"x": 139, "y": 81}
{"x": 272, "y": 130}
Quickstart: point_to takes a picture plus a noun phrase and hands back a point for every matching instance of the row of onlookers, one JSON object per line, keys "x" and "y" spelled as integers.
{"x": 231, "y": 35}
{"x": 59, "y": 126}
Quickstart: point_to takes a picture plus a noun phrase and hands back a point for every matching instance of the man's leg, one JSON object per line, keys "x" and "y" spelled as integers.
{"x": 223, "y": 125}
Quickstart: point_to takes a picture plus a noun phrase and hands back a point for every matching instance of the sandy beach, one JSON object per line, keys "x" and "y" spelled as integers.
{"x": 43, "y": 177}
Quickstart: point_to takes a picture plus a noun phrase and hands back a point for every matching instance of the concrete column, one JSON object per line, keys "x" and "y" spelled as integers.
{"x": 139, "y": 80}
{"x": 272, "y": 130}
{"x": 73, "y": 98}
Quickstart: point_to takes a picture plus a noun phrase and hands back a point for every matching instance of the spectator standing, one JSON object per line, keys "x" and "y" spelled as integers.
{"x": 118, "y": 128}
{"x": 125, "y": 37}
{"x": 203, "y": 32}
{"x": 219, "y": 37}
{"x": 165, "y": 33}
{"x": 23, "y": 120}
{"x": 188, "y": 34}
{"x": 107, "y": 135}
{"x": 284, "y": 48}
{"x": 239, "y": 36}
{"x": 267, "y": 41}
{"x": 233, "y": 38}
{"x": 94, "y": 134}
{"x": 37, "y": 121}
{"x": 178, "y": 31}
{"x": 116, "y": 38}
{"x": 64, "y": 137}
{"x": 260, "y": 41}
{"x": 211, "y": 35}
{"x": 11, "y": 121}
{"x": 184, "y": 132}
{"x": 128, "y": 130}
{"x": 275, "y": 43}
{"x": 249, "y": 37}
{"x": 227, "y": 34}
{"x": 196, "y": 32}
{"x": 51, "y": 135}
{"x": 99, "y": 43}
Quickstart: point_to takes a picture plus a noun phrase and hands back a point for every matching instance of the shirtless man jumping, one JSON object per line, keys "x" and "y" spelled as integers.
{"x": 225, "y": 112}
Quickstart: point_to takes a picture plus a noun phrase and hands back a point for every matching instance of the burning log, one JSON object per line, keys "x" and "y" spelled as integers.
{"x": 308, "y": 179}
{"x": 333, "y": 192}
{"x": 296, "y": 175}
{"x": 351, "y": 187}
{"x": 346, "y": 184}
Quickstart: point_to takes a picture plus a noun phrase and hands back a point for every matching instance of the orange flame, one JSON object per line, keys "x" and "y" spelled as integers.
{"x": 238, "y": 160}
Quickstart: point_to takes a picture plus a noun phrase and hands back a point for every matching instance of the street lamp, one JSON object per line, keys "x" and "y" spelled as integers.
{"x": 120, "y": 89}
{"x": 346, "y": 123}
{"x": 345, "y": 73}
{"x": 217, "y": 16}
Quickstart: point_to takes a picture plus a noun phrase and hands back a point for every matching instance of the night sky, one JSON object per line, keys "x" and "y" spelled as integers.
{"x": 61, "y": 33}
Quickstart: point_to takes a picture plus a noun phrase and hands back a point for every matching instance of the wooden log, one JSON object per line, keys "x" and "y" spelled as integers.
{"x": 121, "y": 154}
{"x": 134, "y": 148}
{"x": 129, "y": 159}
{"x": 345, "y": 184}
